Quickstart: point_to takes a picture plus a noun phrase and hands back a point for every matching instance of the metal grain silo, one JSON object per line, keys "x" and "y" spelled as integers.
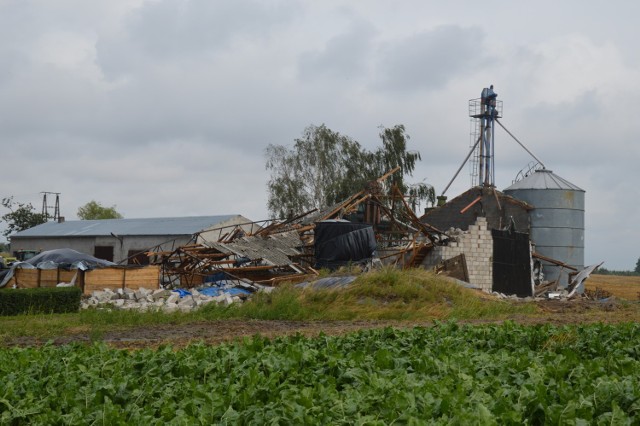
{"x": 557, "y": 220}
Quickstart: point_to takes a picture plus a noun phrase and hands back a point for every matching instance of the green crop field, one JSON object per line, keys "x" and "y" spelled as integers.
{"x": 444, "y": 374}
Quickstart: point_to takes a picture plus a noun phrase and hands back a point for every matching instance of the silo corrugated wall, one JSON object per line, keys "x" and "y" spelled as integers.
{"x": 557, "y": 220}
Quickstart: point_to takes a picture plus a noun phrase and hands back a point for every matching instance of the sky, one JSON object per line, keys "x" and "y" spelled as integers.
{"x": 165, "y": 107}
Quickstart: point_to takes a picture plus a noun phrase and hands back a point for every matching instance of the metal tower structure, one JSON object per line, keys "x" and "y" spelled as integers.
{"x": 46, "y": 206}
{"x": 484, "y": 113}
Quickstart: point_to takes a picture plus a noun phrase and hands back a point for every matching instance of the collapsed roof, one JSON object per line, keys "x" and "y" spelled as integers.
{"x": 285, "y": 250}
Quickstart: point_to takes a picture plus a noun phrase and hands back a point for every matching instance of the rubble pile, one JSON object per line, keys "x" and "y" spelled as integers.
{"x": 163, "y": 300}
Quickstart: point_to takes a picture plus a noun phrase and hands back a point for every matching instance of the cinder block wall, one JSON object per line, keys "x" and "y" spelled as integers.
{"x": 477, "y": 246}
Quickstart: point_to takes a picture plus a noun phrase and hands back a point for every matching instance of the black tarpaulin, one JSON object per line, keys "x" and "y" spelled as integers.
{"x": 69, "y": 258}
{"x": 338, "y": 243}
{"x": 512, "y": 263}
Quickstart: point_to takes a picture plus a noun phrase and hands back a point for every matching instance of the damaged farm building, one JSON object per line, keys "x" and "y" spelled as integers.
{"x": 510, "y": 245}
{"x": 527, "y": 240}
{"x": 361, "y": 230}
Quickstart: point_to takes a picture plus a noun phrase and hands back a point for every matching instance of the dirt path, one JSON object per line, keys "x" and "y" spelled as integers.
{"x": 215, "y": 332}
{"x": 211, "y": 332}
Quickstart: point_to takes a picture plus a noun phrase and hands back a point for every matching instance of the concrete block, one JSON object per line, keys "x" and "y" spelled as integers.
{"x": 160, "y": 294}
{"x": 109, "y": 294}
{"x": 187, "y": 301}
{"x": 103, "y": 297}
{"x": 173, "y": 299}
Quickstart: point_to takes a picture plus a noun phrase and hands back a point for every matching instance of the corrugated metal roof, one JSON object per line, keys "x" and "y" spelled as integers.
{"x": 273, "y": 249}
{"x": 125, "y": 227}
{"x": 543, "y": 179}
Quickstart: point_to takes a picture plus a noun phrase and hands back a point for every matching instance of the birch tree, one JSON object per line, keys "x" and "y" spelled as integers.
{"x": 324, "y": 167}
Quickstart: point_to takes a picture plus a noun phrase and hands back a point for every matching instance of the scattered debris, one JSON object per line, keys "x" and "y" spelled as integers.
{"x": 577, "y": 284}
{"x": 286, "y": 250}
{"x": 598, "y": 294}
{"x": 456, "y": 267}
{"x": 165, "y": 300}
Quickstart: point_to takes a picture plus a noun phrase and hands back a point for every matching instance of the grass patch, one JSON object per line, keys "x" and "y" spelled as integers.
{"x": 92, "y": 322}
{"x": 389, "y": 294}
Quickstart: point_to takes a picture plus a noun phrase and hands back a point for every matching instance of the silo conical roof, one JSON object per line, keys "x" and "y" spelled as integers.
{"x": 543, "y": 179}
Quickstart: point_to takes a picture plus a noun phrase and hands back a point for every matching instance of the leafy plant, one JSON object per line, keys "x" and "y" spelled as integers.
{"x": 444, "y": 374}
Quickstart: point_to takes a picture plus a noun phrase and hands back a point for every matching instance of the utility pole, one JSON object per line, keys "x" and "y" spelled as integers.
{"x": 46, "y": 206}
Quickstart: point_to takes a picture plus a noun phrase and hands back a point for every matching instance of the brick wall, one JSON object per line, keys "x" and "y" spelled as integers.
{"x": 477, "y": 246}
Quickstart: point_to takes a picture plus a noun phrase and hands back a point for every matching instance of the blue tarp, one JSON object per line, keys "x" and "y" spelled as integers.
{"x": 182, "y": 292}
{"x": 216, "y": 291}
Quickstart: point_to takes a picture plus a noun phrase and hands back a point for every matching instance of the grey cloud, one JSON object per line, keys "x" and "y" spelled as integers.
{"x": 587, "y": 106}
{"x": 343, "y": 57}
{"x": 563, "y": 130}
{"x": 11, "y": 62}
{"x": 168, "y": 30}
{"x": 429, "y": 59}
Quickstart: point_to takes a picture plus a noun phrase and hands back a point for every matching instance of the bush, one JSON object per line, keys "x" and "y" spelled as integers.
{"x": 56, "y": 300}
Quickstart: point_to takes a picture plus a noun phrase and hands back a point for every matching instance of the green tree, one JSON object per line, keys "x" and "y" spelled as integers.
{"x": 394, "y": 153}
{"x": 94, "y": 210}
{"x": 20, "y": 217}
{"x": 324, "y": 167}
{"x": 637, "y": 270}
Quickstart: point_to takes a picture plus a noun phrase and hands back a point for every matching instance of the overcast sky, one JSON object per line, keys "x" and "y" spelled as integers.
{"x": 164, "y": 108}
